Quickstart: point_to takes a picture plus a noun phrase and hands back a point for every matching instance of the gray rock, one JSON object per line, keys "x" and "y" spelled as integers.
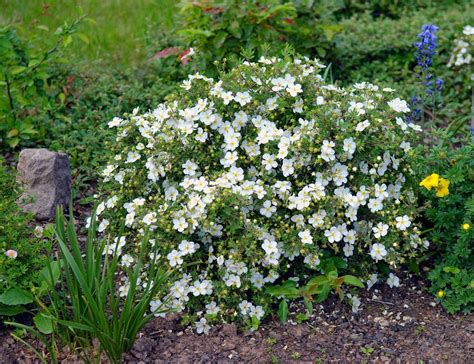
{"x": 45, "y": 178}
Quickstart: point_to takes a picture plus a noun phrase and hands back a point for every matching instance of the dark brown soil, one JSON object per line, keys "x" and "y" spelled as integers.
{"x": 401, "y": 325}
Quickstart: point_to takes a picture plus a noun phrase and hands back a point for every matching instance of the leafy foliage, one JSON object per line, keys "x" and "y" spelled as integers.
{"x": 18, "y": 276}
{"x": 320, "y": 285}
{"x": 28, "y": 92}
{"x": 225, "y": 31}
{"x": 84, "y": 305}
{"x": 450, "y": 219}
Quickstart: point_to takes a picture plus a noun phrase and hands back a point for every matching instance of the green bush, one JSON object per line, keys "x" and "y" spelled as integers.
{"x": 22, "y": 255}
{"x": 93, "y": 99}
{"x": 29, "y": 94}
{"x": 229, "y": 30}
{"x": 449, "y": 220}
{"x": 382, "y": 49}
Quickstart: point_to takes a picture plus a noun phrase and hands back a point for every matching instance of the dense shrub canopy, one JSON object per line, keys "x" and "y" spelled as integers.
{"x": 260, "y": 175}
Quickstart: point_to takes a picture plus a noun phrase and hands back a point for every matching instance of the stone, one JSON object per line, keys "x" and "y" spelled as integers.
{"x": 45, "y": 178}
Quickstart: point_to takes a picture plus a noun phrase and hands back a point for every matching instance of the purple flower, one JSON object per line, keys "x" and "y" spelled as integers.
{"x": 426, "y": 46}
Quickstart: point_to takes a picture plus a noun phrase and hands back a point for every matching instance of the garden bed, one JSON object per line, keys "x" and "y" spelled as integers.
{"x": 401, "y": 324}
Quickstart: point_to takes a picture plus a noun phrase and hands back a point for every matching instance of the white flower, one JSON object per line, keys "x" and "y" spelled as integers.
{"x": 233, "y": 280}
{"x": 175, "y": 258}
{"x": 372, "y": 280}
{"x": 348, "y": 250}
{"x": 393, "y": 281}
{"x": 212, "y": 308}
{"x": 115, "y": 122}
{"x": 268, "y": 209}
{"x": 129, "y": 219}
{"x": 132, "y": 157}
{"x": 149, "y": 218}
{"x": 269, "y": 162}
{"x": 287, "y": 167}
{"x": 305, "y": 237}
{"x": 333, "y": 234}
{"x": 103, "y": 225}
{"x": 378, "y": 252}
{"x": 375, "y": 205}
{"x": 180, "y": 224}
{"x": 38, "y": 231}
{"x": 399, "y": 105}
{"x": 402, "y": 222}
{"x": 243, "y": 98}
{"x": 362, "y": 125}
{"x": 380, "y": 230}
{"x": 202, "y": 327}
{"x": 294, "y": 89}
{"x": 229, "y": 159}
{"x": 270, "y": 246}
{"x": 257, "y": 312}
{"x": 245, "y": 307}
{"x": 187, "y": 247}
{"x": 355, "y": 302}
{"x": 127, "y": 260}
{"x": 349, "y": 147}
{"x": 201, "y": 135}
{"x": 468, "y": 30}
{"x": 189, "y": 168}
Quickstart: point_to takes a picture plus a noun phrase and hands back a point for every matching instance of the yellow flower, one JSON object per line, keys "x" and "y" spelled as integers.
{"x": 466, "y": 226}
{"x": 442, "y": 188}
{"x": 430, "y": 181}
{"x": 440, "y": 294}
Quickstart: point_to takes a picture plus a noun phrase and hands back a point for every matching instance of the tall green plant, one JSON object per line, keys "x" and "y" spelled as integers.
{"x": 84, "y": 305}
{"x": 25, "y": 82}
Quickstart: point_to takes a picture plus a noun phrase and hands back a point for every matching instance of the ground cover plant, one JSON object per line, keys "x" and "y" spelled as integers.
{"x": 22, "y": 247}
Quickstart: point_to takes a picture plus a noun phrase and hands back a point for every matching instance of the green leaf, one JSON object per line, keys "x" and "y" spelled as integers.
{"x": 287, "y": 289}
{"x": 318, "y": 280}
{"x": 283, "y": 311}
{"x": 11, "y": 310}
{"x": 16, "y": 296}
{"x": 219, "y": 39}
{"x": 17, "y": 70}
{"x": 326, "y": 288}
{"x": 67, "y": 40}
{"x": 33, "y": 62}
{"x": 353, "y": 281}
{"x": 332, "y": 275}
{"x": 13, "y": 142}
{"x": 43, "y": 27}
{"x": 51, "y": 274}
{"x": 309, "y": 306}
{"x": 301, "y": 317}
{"x": 43, "y": 323}
{"x": 255, "y": 322}
{"x": 452, "y": 270}
{"x": 84, "y": 38}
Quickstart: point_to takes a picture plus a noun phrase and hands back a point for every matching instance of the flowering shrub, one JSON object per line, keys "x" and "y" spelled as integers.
{"x": 258, "y": 177}
{"x": 461, "y": 55}
{"x": 449, "y": 214}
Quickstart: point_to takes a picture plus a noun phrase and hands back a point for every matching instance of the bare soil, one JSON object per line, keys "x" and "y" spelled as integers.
{"x": 402, "y": 325}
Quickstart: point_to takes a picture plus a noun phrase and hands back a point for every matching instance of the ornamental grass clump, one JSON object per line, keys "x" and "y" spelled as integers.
{"x": 260, "y": 176}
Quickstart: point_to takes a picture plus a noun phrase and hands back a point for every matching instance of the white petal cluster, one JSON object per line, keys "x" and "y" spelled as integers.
{"x": 260, "y": 175}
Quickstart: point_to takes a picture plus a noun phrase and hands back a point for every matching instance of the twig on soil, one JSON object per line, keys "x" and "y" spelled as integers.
{"x": 383, "y": 302}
